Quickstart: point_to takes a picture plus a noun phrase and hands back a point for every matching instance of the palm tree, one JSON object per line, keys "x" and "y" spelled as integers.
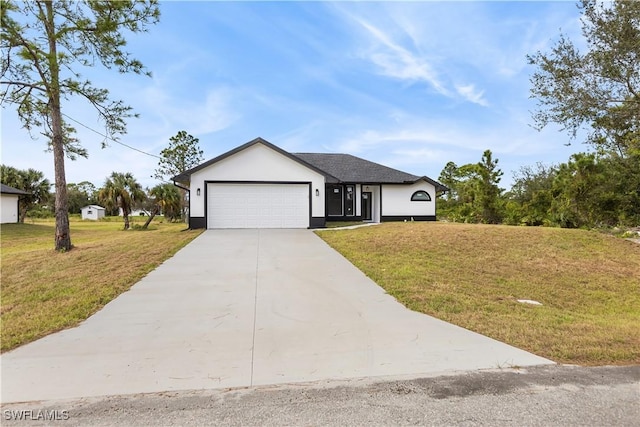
{"x": 121, "y": 190}
{"x": 167, "y": 199}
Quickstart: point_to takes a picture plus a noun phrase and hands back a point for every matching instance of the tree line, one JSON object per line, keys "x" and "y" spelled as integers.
{"x": 121, "y": 192}
{"x": 587, "y": 191}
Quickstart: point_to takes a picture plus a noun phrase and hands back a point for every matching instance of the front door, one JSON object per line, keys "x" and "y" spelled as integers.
{"x": 366, "y": 205}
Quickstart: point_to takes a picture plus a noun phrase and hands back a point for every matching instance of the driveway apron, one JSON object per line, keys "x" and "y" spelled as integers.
{"x": 238, "y": 308}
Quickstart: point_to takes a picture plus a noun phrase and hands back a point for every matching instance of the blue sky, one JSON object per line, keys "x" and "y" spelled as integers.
{"x": 411, "y": 85}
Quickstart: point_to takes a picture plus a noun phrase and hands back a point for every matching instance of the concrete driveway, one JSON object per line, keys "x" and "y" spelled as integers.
{"x": 238, "y": 308}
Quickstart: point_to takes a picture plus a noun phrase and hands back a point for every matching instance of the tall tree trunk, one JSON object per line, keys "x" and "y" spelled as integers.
{"x": 22, "y": 212}
{"x": 63, "y": 235}
{"x": 124, "y": 207}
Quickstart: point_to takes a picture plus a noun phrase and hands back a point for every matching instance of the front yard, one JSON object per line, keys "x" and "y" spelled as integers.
{"x": 44, "y": 291}
{"x": 473, "y": 275}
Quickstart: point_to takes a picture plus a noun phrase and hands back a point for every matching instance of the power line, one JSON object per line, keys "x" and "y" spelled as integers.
{"x": 111, "y": 139}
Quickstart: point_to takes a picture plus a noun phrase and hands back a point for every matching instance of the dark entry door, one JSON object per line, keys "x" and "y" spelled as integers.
{"x": 366, "y": 205}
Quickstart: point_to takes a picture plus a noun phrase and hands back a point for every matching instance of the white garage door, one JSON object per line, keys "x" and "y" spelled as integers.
{"x": 258, "y": 206}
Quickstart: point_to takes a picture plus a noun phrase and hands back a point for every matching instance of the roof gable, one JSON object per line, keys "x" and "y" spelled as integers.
{"x": 185, "y": 176}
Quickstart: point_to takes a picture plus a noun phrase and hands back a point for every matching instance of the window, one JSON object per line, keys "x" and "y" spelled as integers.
{"x": 334, "y": 200}
{"x": 420, "y": 196}
{"x": 349, "y": 200}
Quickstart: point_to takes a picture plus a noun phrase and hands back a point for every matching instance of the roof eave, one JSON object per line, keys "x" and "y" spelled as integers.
{"x": 7, "y": 189}
{"x": 439, "y": 186}
{"x": 182, "y": 178}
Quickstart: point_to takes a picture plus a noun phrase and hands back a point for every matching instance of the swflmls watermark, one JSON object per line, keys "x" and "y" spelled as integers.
{"x": 35, "y": 415}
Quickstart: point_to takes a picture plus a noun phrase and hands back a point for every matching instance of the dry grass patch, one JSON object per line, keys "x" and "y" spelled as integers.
{"x": 473, "y": 275}
{"x": 44, "y": 291}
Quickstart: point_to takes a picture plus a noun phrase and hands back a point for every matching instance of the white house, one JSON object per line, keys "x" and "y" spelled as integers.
{"x": 259, "y": 185}
{"x": 135, "y": 212}
{"x": 93, "y": 212}
{"x": 9, "y": 200}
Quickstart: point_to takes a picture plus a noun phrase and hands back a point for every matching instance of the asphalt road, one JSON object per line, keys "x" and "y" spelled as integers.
{"x": 538, "y": 396}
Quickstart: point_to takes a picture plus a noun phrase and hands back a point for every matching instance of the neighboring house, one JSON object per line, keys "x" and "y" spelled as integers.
{"x": 135, "y": 212}
{"x": 93, "y": 212}
{"x": 259, "y": 185}
{"x": 9, "y": 204}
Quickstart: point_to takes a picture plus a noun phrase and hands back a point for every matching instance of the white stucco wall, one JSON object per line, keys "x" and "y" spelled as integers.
{"x": 257, "y": 163}
{"x": 8, "y": 208}
{"x": 375, "y": 207}
{"x": 396, "y": 200}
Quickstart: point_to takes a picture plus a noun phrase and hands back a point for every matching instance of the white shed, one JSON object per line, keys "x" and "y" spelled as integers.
{"x": 93, "y": 212}
{"x": 9, "y": 200}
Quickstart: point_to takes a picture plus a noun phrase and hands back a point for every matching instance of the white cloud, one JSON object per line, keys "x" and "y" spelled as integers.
{"x": 416, "y": 135}
{"x": 447, "y": 45}
{"x": 471, "y": 94}
{"x": 396, "y": 61}
{"x": 212, "y": 115}
{"x": 400, "y": 50}
{"x": 405, "y": 66}
{"x": 197, "y": 115}
{"x": 419, "y": 156}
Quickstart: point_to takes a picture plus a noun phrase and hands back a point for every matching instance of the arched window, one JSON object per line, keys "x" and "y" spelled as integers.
{"x": 420, "y": 196}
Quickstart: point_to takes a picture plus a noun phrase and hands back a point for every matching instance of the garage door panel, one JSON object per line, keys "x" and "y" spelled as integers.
{"x": 257, "y": 205}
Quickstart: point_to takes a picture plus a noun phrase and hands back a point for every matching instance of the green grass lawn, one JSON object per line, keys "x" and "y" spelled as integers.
{"x": 44, "y": 291}
{"x": 470, "y": 275}
{"x": 473, "y": 275}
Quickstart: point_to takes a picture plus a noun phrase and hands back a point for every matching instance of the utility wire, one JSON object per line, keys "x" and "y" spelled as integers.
{"x": 111, "y": 139}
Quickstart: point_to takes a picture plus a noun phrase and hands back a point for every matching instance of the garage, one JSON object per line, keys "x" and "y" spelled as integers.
{"x": 258, "y": 205}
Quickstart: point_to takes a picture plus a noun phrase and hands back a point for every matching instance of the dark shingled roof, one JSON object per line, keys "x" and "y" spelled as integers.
{"x": 348, "y": 168}
{"x": 352, "y": 169}
{"x": 335, "y": 167}
{"x": 5, "y": 189}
